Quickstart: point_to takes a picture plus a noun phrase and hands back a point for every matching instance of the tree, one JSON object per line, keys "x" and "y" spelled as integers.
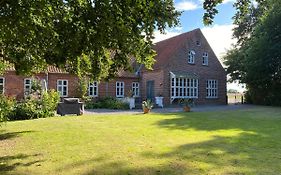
{"x": 257, "y": 61}
{"x": 88, "y": 37}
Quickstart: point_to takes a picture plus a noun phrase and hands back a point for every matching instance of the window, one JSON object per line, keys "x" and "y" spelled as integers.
{"x": 198, "y": 43}
{"x": 119, "y": 89}
{"x": 62, "y": 87}
{"x": 212, "y": 88}
{"x": 191, "y": 57}
{"x": 93, "y": 89}
{"x": 184, "y": 88}
{"x": 136, "y": 89}
{"x": 2, "y": 85}
{"x": 27, "y": 86}
{"x": 205, "y": 59}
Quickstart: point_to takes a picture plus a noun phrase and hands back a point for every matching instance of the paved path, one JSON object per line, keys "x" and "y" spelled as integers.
{"x": 172, "y": 110}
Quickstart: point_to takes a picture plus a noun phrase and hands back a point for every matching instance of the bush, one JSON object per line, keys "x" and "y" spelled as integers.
{"x": 6, "y": 107}
{"x": 31, "y": 107}
{"x": 106, "y": 103}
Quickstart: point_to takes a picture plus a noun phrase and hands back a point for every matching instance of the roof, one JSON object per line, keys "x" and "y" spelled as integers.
{"x": 184, "y": 74}
{"x": 50, "y": 69}
{"x": 166, "y": 48}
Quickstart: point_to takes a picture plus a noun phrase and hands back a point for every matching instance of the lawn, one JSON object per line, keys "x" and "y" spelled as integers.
{"x": 230, "y": 142}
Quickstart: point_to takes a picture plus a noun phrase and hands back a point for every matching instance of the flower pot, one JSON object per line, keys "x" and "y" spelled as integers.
{"x": 146, "y": 110}
{"x": 186, "y": 109}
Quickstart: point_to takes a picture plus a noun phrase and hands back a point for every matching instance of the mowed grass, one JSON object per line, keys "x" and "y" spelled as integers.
{"x": 230, "y": 142}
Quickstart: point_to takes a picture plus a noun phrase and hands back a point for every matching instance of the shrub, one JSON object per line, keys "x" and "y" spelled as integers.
{"x": 32, "y": 107}
{"x": 107, "y": 103}
{"x": 6, "y": 107}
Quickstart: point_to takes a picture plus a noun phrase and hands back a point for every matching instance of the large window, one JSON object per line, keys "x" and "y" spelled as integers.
{"x": 184, "y": 88}
{"x": 119, "y": 89}
{"x": 62, "y": 87}
{"x": 27, "y": 86}
{"x": 205, "y": 60}
{"x": 136, "y": 89}
{"x": 2, "y": 85}
{"x": 93, "y": 89}
{"x": 191, "y": 57}
{"x": 212, "y": 88}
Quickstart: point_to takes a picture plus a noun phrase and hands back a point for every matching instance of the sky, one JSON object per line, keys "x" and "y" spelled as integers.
{"x": 219, "y": 34}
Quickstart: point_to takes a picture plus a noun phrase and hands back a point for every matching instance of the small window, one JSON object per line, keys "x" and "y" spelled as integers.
{"x": 198, "y": 43}
{"x": 93, "y": 89}
{"x": 212, "y": 88}
{"x": 2, "y": 85}
{"x": 119, "y": 89}
{"x": 27, "y": 86}
{"x": 62, "y": 88}
{"x": 136, "y": 89}
{"x": 191, "y": 57}
{"x": 205, "y": 60}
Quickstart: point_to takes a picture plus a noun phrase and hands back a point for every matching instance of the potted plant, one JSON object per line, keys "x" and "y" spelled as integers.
{"x": 187, "y": 104}
{"x": 147, "y": 106}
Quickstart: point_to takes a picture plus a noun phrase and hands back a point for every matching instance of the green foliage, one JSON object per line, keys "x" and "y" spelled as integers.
{"x": 147, "y": 104}
{"x": 6, "y": 107}
{"x": 187, "y": 102}
{"x": 257, "y": 60}
{"x": 106, "y": 103}
{"x": 96, "y": 38}
{"x": 31, "y": 107}
{"x": 83, "y": 88}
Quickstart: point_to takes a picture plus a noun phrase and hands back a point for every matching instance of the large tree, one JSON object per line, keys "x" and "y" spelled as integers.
{"x": 257, "y": 60}
{"x": 94, "y": 37}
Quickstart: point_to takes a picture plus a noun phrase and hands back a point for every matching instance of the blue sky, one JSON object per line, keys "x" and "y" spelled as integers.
{"x": 219, "y": 34}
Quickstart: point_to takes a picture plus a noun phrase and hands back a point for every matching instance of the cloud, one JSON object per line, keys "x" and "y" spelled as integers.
{"x": 220, "y": 38}
{"x": 186, "y": 6}
{"x": 224, "y": 1}
{"x": 159, "y": 36}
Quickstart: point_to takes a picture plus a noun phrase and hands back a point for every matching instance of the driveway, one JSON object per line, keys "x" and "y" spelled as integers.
{"x": 202, "y": 108}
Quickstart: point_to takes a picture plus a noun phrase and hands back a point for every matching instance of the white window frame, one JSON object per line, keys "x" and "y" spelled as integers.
{"x": 3, "y": 85}
{"x": 184, "y": 87}
{"x": 94, "y": 88}
{"x": 120, "y": 88}
{"x": 191, "y": 57}
{"x": 62, "y": 85}
{"x": 205, "y": 59}
{"x": 212, "y": 88}
{"x": 27, "y": 86}
{"x": 136, "y": 89}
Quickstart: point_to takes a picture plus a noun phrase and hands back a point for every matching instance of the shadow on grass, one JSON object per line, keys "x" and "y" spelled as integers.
{"x": 253, "y": 147}
{"x": 9, "y": 163}
{"x": 9, "y": 135}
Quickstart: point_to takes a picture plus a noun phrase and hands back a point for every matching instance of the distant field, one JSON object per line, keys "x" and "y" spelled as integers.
{"x": 220, "y": 143}
{"x": 231, "y": 97}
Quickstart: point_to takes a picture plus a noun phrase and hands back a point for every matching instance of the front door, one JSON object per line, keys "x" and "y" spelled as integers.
{"x": 150, "y": 90}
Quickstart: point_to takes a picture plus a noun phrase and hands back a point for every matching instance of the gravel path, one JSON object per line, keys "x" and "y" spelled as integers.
{"x": 204, "y": 108}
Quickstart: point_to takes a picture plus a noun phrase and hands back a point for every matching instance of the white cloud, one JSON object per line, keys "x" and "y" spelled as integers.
{"x": 220, "y": 38}
{"x": 186, "y": 6}
{"x": 159, "y": 36}
{"x": 224, "y": 1}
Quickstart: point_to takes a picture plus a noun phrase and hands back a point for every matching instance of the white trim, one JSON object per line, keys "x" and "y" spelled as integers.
{"x": 184, "y": 88}
{"x": 120, "y": 88}
{"x": 93, "y": 85}
{"x": 3, "y": 84}
{"x": 62, "y": 86}
{"x": 136, "y": 89}
{"x": 205, "y": 59}
{"x": 191, "y": 57}
{"x": 211, "y": 88}
{"x": 27, "y": 91}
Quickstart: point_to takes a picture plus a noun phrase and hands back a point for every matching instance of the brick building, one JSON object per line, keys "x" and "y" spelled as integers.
{"x": 185, "y": 67}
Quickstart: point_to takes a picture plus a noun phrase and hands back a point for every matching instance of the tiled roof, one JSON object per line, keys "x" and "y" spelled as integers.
{"x": 50, "y": 69}
{"x": 166, "y": 48}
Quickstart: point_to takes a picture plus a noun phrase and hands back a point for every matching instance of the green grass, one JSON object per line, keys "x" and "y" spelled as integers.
{"x": 231, "y": 142}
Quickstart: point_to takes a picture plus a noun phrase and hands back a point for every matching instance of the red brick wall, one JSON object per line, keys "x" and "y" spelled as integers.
{"x": 73, "y": 84}
{"x": 14, "y": 84}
